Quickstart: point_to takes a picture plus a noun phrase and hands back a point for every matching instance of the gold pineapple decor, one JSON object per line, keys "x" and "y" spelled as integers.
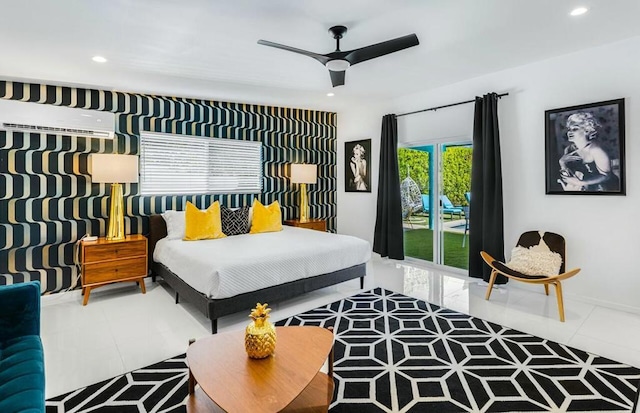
{"x": 260, "y": 335}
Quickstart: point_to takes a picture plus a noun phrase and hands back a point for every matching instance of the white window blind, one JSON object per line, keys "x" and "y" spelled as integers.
{"x": 180, "y": 164}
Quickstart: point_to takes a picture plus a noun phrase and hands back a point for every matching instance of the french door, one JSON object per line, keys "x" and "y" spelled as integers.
{"x": 435, "y": 182}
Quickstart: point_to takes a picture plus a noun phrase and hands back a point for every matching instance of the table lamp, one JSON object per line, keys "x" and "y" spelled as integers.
{"x": 304, "y": 174}
{"x": 116, "y": 170}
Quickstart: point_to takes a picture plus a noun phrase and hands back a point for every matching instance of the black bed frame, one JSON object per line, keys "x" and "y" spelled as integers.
{"x": 216, "y": 308}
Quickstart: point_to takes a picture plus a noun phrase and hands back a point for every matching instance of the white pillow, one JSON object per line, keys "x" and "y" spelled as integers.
{"x": 535, "y": 261}
{"x": 175, "y": 223}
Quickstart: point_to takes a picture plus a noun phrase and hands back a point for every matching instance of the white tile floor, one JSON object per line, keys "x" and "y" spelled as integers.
{"x": 122, "y": 330}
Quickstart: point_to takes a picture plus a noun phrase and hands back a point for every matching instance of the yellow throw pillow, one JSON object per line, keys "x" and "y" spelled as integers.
{"x": 266, "y": 218}
{"x": 202, "y": 224}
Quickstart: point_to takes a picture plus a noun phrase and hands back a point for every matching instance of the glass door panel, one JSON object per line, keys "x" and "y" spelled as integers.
{"x": 416, "y": 181}
{"x": 455, "y": 178}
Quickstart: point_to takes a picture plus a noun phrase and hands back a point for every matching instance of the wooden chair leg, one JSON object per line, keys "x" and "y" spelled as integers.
{"x": 559, "y": 298}
{"x": 494, "y": 275}
{"x": 546, "y": 289}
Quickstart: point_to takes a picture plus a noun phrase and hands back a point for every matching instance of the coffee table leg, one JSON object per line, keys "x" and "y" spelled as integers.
{"x": 192, "y": 380}
{"x": 192, "y": 383}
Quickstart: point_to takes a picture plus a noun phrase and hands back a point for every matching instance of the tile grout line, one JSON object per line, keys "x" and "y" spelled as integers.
{"x": 583, "y": 322}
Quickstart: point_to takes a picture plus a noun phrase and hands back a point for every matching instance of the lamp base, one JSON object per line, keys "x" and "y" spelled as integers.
{"x": 304, "y": 204}
{"x": 116, "y": 214}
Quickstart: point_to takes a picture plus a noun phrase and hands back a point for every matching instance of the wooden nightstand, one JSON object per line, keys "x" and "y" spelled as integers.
{"x": 105, "y": 262}
{"x": 317, "y": 224}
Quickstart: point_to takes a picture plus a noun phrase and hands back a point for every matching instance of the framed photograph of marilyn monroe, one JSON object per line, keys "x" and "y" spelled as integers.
{"x": 584, "y": 149}
{"x": 357, "y": 166}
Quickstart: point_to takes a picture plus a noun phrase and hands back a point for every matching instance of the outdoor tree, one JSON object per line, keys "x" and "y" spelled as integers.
{"x": 415, "y": 164}
{"x": 457, "y": 173}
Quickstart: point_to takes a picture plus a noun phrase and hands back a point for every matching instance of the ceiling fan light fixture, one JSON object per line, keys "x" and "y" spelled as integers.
{"x": 578, "y": 11}
{"x": 338, "y": 65}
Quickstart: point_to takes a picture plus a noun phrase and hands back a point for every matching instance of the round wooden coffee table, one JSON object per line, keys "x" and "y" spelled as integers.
{"x": 288, "y": 381}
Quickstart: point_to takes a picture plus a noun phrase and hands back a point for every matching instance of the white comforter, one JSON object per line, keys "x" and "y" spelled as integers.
{"x": 226, "y": 267}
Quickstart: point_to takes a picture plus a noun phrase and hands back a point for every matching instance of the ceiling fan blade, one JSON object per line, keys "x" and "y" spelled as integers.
{"x": 320, "y": 58}
{"x": 337, "y": 78}
{"x": 380, "y": 49}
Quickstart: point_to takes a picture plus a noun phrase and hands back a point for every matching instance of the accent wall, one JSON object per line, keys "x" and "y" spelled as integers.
{"x": 48, "y": 202}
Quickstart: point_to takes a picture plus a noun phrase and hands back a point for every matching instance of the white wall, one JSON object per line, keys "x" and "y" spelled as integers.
{"x": 357, "y": 211}
{"x": 602, "y": 232}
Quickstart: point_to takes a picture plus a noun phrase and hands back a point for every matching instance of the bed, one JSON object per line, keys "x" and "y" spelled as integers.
{"x": 280, "y": 280}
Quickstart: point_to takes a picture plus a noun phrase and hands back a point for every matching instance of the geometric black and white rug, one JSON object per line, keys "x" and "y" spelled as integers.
{"x": 395, "y": 353}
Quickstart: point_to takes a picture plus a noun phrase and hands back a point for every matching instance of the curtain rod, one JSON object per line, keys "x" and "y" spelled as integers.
{"x": 445, "y": 106}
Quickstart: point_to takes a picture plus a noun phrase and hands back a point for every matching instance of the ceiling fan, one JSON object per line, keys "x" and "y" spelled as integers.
{"x": 338, "y": 61}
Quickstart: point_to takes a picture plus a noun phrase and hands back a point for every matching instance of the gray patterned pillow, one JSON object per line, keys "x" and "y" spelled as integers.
{"x": 234, "y": 222}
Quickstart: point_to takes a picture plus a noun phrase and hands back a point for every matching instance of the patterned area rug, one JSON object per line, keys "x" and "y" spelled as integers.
{"x": 394, "y": 353}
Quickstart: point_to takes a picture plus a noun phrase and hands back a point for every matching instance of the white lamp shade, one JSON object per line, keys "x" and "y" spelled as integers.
{"x": 113, "y": 168}
{"x": 304, "y": 173}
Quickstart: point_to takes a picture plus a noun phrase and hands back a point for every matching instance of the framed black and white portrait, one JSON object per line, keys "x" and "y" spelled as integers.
{"x": 585, "y": 149}
{"x": 357, "y": 166}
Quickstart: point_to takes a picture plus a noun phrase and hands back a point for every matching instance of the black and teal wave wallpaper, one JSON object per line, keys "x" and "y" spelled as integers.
{"x": 48, "y": 202}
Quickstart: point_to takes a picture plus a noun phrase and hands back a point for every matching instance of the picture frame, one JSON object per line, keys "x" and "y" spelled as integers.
{"x": 584, "y": 149}
{"x": 357, "y": 166}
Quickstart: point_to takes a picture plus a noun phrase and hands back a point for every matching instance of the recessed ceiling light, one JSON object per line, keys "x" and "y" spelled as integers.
{"x": 579, "y": 11}
{"x": 99, "y": 59}
{"x": 330, "y": 94}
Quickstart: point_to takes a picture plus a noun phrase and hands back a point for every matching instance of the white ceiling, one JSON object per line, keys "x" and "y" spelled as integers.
{"x": 208, "y": 49}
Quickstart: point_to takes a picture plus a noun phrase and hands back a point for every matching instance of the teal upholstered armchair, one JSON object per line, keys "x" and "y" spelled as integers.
{"x": 21, "y": 354}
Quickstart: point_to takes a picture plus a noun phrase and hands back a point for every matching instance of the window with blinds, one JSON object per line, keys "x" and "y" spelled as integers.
{"x": 180, "y": 164}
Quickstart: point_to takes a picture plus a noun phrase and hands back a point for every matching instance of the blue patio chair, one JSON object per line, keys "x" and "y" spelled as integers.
{"x": 467, "y": 216}
{"x": 425, "y": 203}
{"x": 449, "y": 208}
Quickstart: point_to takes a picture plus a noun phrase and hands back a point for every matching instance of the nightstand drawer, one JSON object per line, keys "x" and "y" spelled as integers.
{"x": 317, "y": 225}
{"x": 105, "y": 252}
{"x": 114, "y": 270}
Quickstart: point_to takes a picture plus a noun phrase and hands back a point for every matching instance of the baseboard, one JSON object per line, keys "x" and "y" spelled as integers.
{"x": 575, "y": 297}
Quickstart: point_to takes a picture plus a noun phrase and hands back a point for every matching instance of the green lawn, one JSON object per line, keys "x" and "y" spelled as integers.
{"x": 418, "y": 243}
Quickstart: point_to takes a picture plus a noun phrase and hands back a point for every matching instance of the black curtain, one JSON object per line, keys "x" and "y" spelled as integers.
{"x": 388, "y": 239}
{"x": 486, "y": 226}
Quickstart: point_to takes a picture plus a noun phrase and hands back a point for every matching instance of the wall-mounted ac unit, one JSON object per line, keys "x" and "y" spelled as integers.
{"x": 58, "y": 120}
